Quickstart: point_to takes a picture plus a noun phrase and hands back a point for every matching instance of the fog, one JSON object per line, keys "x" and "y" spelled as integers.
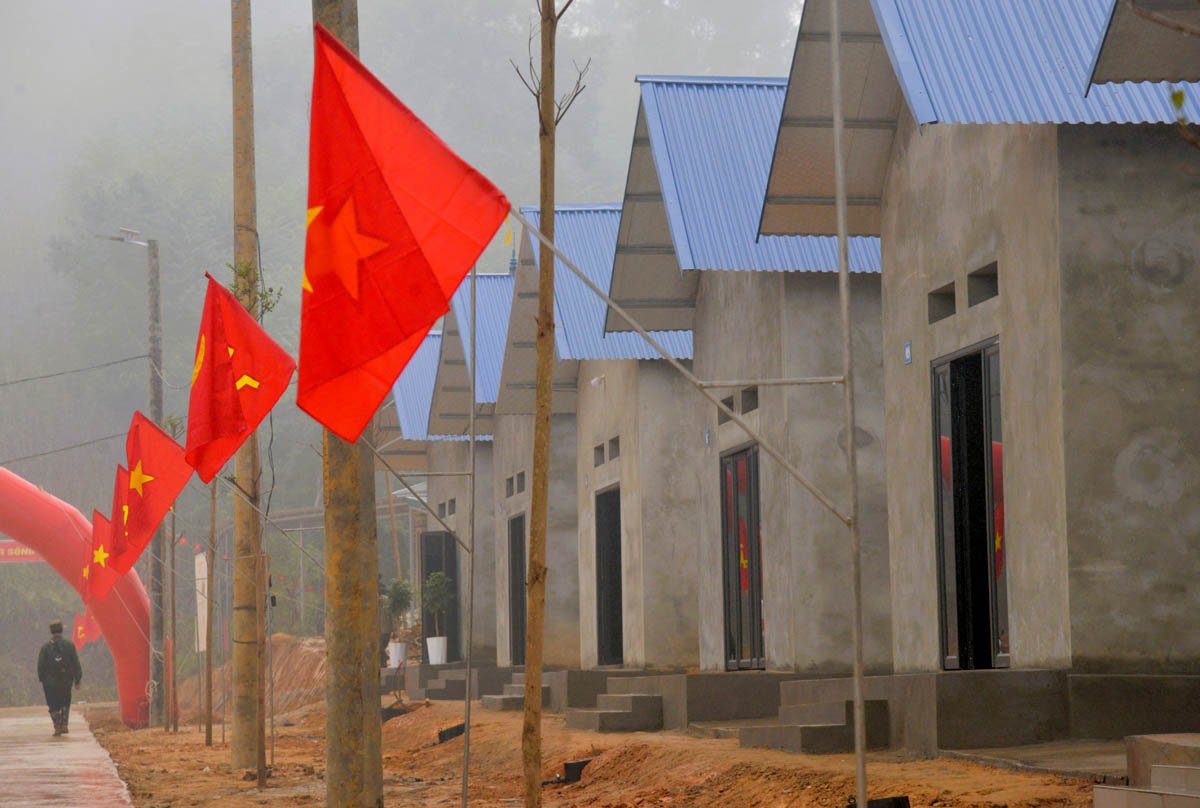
{"x": 117, "y": 114}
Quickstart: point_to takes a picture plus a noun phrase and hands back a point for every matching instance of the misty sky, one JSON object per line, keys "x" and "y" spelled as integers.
{"x": 135, "y": 94}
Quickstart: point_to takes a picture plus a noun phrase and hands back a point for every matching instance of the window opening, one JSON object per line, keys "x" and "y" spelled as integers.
{"x": 941, "y": 303}
{"x": 983, "y": 284}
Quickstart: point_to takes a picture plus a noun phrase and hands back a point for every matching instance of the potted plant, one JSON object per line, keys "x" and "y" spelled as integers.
{"x": 437, "y": 596}
{"x": 399, "y": 601}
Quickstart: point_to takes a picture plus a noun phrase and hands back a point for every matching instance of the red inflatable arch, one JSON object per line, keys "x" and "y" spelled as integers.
{"x": 58, "y": 533}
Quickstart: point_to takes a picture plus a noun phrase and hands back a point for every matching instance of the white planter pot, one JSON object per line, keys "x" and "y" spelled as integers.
{"x": 437, "y": 650}
{"x": 397, "y": 653}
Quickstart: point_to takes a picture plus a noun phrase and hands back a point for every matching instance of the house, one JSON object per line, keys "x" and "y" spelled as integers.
{"x": 634, "y": 469}
{"x": 1039, "y": 293}
{"x": 773, "y": 564}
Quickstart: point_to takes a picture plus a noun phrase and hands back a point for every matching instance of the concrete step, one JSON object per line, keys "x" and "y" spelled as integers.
{"x": 822, "y": 738}
{"x": 1179, "y": 779}
{"x": 822, "y": 712}
{"x": 441, "y": 689}
{"x": 620, "y": 712}
{"x": 519, "y": 691}
{"x": 502, "y": 702}
{"x": 1125, "y": 797}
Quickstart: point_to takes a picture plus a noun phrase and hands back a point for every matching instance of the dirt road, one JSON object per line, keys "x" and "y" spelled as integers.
{"x": 628, "y": 770}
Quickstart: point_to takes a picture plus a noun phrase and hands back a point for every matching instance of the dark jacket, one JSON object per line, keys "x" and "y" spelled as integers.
{"x": 67, "y": 672}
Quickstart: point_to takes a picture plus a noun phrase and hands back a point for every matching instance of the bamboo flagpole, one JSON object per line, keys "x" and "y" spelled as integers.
{"x": 466, "y": 764}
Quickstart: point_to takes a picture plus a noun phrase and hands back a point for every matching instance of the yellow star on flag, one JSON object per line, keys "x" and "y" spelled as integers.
{"x": 100, "y": 557}
{"x": 86, "y": 571}
{"x": 312, "y": 214}
{"x": 138, "y": 478}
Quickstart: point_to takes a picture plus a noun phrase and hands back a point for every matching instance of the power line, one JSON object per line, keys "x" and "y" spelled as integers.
{"x": 76, "y": 370}
{"x": 63, "y": 449}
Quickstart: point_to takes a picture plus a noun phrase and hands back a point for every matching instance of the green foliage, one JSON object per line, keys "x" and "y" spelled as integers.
{"x": 248, "y": 285}
{"x": 400, "y": 596}
{"x": 437, "y": 596}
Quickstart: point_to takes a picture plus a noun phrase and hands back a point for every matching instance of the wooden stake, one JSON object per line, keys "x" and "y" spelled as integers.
{"x": 372, "y": 727}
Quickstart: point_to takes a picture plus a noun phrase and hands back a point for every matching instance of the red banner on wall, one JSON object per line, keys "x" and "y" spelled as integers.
{"x": 12, "y": 552}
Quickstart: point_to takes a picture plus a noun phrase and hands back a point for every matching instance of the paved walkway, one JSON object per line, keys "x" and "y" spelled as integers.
{"x": 38, "y": 770}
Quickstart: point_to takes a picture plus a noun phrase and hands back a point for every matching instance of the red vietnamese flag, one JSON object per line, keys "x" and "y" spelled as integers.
{"x": 238, "y": 376}
{"x": 157, "y": 473}
{"x": 99, "y": 573}
{"x": 395, "y": 220}
{"x": 85, "y": 630}
{"x": 120, "y": 510}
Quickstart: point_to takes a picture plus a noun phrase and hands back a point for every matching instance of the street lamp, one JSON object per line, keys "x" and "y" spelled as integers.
{"x": 155, "y": 562}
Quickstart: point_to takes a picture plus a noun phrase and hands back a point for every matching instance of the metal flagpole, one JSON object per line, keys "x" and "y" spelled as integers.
{"x": 839, "y": 169}
{"x": 470, "y": 563}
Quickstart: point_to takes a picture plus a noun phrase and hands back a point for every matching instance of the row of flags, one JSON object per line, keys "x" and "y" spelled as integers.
{"x": 395, "y": 220}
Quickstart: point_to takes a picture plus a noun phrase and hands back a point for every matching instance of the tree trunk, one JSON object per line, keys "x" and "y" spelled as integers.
{"x": 247, "y": 529}
{"x": 531, "y": 730}
{"x": 372, "y": 760}
{"x": 343, "y": 627}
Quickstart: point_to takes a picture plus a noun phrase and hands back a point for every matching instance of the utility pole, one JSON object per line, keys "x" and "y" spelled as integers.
{"x": 208, "y": 606}
{"x": 353, "y": 764}
{"x": 246, "y": 749}
{"x": 173, "y": 679}
{"x": 154, "y": 319}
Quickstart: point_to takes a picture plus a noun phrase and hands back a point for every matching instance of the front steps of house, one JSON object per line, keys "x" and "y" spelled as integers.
{"x": 620, "y": 712}
{"x": 1170, "y": 787}
{"x": 820, "y": 728}
{"x": 513, "y": 696}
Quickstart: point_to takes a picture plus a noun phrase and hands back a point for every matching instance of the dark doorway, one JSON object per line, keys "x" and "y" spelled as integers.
{"x": 741, "y": 540}
{"x": 609, "y": 641}
{"x": 439, "y": 553}
{"x": 516, "y": 588}
{"x": 969, "y": 504}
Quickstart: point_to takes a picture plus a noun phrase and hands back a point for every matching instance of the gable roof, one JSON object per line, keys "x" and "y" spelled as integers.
{"x": 1015, "y": 61}
{"x": 493, "y": 302}
{"x": 588, "y": 234}
{"x": 413, "y": 390}
{"x": 712, "y": 140}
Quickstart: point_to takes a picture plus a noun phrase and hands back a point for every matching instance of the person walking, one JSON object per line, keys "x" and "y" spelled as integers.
{"x": 58, "y": 669}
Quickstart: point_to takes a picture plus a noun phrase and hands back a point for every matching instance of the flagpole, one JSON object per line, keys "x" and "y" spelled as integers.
{"x": 470, "y": 561}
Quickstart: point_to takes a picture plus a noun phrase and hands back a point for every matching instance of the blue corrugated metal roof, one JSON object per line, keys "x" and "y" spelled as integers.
{"x": 413, "y": 390}
{"x": 413, "y": 393}
{"x": 493, "y": 301}
{"x": 588, "y": 234}
{"x": 1013, "y": 61}
{"x": 712, "y": 141}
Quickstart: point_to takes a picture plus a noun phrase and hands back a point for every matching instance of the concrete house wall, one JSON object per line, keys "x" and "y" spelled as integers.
{"x": 1095, "y": 244}
{"x": 657, "y": 418}
{"x": 1129, "y": 250}
{"x": 513, "y": 441}
{"x": 957, "y": 198}
{"x": 773, "y": 325}
{"x": 446, "y": 455}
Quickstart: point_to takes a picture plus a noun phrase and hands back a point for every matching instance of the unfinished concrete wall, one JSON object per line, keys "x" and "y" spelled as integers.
{"x": 455, "y": 456}
{"x": 655, "y": 416}
{"x": 771, "y": 325}
{"x": 671, "y": 455}
{"x": 513, "y": 441}
{"x": 1131, "y": 382}
{"x": 957, "y": 198}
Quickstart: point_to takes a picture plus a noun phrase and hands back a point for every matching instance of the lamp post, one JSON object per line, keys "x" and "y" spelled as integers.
{"x": 155, "y": 564}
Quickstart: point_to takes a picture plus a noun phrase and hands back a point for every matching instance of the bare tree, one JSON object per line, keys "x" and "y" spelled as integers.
{"x": 551, "y": 110}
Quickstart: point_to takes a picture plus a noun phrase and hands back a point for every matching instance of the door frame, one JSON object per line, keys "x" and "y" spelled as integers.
{"x": 731, "y": 608}
{"x": 517, "y": 649}
{"x": 996, "y": 658}
{"x": 601, "y": 659}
